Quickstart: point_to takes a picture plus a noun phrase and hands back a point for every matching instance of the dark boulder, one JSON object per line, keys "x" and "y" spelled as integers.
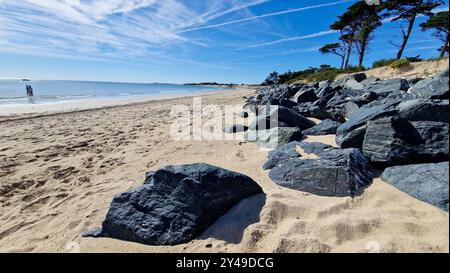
{"x": 391, "y": 97}
{"x": 358, "y": 77}
{"x": 342, "y": 104}
{"x": 388, "y": 86}
{"x": 280, "y": 117}
{"x": 413, "y": 81}
{"x": 176, "y": 205}
{"x": 350, "y": 108}
{"x": 353, "y": 139}
{"x": 426, "y": 182}
{"x": 281, "y": 155}
{"x": 355, "y": 85}
{"x": 307, "y": 95}
{"x": 303, "y": 108}
{"x": 282, "y": 102}
{"x": 326, "y": 127}
{"x": 276, "y": 95}
{"x": 317, "y": 112}
{"x": 275, "y": 137}
{"x": 352, "y": 81}
{"x": 431, "y": 88}
{"x": 365, "y": 98}
{"x": 351, "y": 133}
{"x": 421, "y": 110}
{"x": 332, "y": 172}
{"x": 396, "y": 141}
{"x": 370, "y": 81}
{"x": 327, "y": 91}
{"x": 290, "y": 150}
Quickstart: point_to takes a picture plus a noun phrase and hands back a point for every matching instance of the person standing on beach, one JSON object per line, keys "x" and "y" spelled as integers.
{"x": 29, "y": 91}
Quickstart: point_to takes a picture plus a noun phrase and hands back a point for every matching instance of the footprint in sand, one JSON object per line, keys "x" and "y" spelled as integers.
{"x": 240, "y": 154}
{"x": 65, "y": 173}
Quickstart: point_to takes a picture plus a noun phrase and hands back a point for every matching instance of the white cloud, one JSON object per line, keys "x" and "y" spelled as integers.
{"x": 252, "y": 18}
{"x": 122, "y": 28}
{"x": 106, "y": 27}
{"x": 291, "y": 39}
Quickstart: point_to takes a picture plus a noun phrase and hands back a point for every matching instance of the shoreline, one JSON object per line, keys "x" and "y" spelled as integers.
{"x": 13, "y": 112}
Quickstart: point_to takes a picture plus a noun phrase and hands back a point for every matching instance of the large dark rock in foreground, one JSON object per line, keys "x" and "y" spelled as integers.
{"x": 176, "y": 204}
{"x": 329, "y": 172}
{"x": 426, "y": 182}
{"x": 396, "y": 141}
{"x": 326, "y": 127}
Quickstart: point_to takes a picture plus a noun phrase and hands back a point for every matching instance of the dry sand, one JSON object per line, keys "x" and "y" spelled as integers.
{"x": 59, "y": 173}
{"x": 422, "y": 69}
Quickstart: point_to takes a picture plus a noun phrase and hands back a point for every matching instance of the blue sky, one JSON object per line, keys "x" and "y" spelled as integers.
{"x": 178, "y": 40}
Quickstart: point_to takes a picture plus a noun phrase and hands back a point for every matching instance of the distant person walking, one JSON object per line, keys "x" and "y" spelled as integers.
{"x": 29, "y": 90}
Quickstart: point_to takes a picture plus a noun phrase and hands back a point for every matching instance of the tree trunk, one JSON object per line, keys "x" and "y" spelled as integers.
{"x": 342, "y": 61}
{"x": 362, "y": 52}
{"x": 406, "y": 37}
{"x": 349, "y": 52}
{"x": 444, "y": 47}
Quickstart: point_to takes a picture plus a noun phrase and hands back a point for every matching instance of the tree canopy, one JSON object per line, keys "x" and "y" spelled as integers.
{"x": 408, "y": 10}
{"x": 440, "y": 23}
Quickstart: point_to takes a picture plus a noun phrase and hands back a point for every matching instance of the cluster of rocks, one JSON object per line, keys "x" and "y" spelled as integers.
{"x": 378, "y": 124}
{"x": 398, "y": 125}
{"x": 175, "y": 204}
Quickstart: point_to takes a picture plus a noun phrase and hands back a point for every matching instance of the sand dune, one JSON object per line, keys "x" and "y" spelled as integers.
{"x": 422, "y": 69}
{"x": 59, "y": 173}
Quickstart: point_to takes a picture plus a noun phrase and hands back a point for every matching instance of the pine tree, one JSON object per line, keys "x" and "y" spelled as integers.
{"x": 440, "y": 23}
{"x": 356, "y": 26}
{"x": 335, "y": 49}
{"x": 408, "y": 10}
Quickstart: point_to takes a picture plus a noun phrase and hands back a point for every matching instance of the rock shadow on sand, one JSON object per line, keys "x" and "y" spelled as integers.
{"x": 231, "y": 226}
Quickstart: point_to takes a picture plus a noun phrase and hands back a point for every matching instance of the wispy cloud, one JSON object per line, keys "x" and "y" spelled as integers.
{"x": 418, "y": 48}
{"x": 106, "y": 28}
{"x": 291, "y": 39}
{"x": 252, "y": 18}
{"x": 296, "y": 38}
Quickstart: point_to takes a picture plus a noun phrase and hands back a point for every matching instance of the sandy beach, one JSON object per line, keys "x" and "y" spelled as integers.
{"x": 59, "y": 173}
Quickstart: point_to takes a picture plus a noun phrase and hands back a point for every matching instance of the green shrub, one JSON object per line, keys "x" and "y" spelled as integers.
{"x": 414, "y": 59}
{"x": 399, "y": 64}
{"x": 312, "y": 74}
{"x": 383, "y": 62}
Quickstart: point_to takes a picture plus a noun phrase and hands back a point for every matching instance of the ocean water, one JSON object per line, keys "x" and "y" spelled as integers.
{"x": 13, "y": 92}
